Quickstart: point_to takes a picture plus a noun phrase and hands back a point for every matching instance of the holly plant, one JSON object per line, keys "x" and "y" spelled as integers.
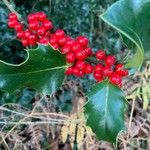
{"x": 52, "y": 55}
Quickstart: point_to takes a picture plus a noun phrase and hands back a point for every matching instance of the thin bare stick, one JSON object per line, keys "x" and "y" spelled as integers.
{"x": 10, "y": 7}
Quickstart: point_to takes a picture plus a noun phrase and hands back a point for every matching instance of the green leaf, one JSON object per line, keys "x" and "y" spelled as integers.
{"x": 105, "y": 111}
{"x": 43, "y": 70}
{"x": 131, "y": 19}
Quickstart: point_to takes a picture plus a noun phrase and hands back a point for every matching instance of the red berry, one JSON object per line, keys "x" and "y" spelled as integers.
{"x": 122, "y": 72}
{"x": 25, "y": 42}
{"x": 77, "y": 72}
{"x": 81, "y": 73}
{"x": 13, "y": 16}
{"x": 20, "y": 34}
{"x": 76, "y": 47}
{"x": 41, "y": 16}
{"x": 62, "y": 40}
{"x": 19, "y": 27}
{"x": 82, "y": 40}
{"x": 44, "y": 41}
{"x": 110, "y": 60}
{"x": 53, "y": 39}
{"x": 48, "y": 34}
{"x": 70, "y": 57}
{"x": 80, "y": 65}
{"x": 41, "y": 31}
{"x": 100, "y": 54}
{"x": 12, "y": 23}
{"x": 88, "y": 51}
{"x": 27, "y": 33}
{"x": 36, "y": 15}
{"x": 99, "y": 68}
{"x": 70, "y": 41}
{"x": 48, "y": 25}
{"x": 59, "y": 33}
{"x": 81, "y": 55}
{"x": 115, "y": 79}
{"x": 33, "y": 37}
{"x": 34, "y": 25}
{"x": 69, "y": 70}
{"x": 98, "y": 76}
{"x": 31, "y": 18}
{"x": 65, "y": 49}
{"x": 88, "y": 69}
{"x": 119, "y": 67}
{"x": 107, "y": 71}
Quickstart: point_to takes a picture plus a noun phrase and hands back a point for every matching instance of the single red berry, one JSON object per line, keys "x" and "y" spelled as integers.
{"x": 34, "y": 25}
{"x": 100, "y": 55}
{"x": 98, "y": 76}
{"x": 119, "y": 67}
{"x": 25, "y": 42}
{"x": 81, "y": 55}
{"x": 107, "y": 71}
{"x": 19, "y": 27}
{"x": 53, "y": 39}
{"x": 27, "y": 33}
{"x": 80, "y": 65}
{"x": 75, "y": 71}
{"x": 110, "y": 60}
{"x": 59, "y": 33}
{"x": 88, "y": 69}
{"x": 48, "y": 34}
{"x": 36, "y": 15}
{"x": 76, "y": 47}
{"x": 98, "y": 68}
{"x": 41, "y": 31}
{"x": 33, "y": 37}
{"x": 82, "y": 40}
{"x": 65, "y": 49}
{"x": 62, "y": 40}
{"x": 122, "y": 72}
{"x": 12, "y": 23}
{"x": 70, "y": 57}
{"x": 44, "y": 41}
{"x": 115, "y": 79}
{"x": 42, "y": 16}
{"x": 81, "y": 73}
{"x": 20, "y": 34}
{"x": 48, "y": 25}
{"x": 13, "y": 16}
{"x": 88, "y": 51}
{"x": 70, "y": 41}
{"x": 31, "y": 18}
{"x": 69, "y": 70}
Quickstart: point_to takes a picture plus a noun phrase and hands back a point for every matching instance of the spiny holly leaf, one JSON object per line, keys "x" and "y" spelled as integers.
{"x": 131, "y": 18}
{"x": 105, "y": 111}
{"x": 43, "y": 70}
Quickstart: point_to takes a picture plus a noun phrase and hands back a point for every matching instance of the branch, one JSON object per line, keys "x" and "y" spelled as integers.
{"x": 10, "y": 7}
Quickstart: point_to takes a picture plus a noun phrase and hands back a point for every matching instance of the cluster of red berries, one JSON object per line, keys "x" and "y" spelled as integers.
{"x": 106, "y": 68}
{"x": 76, "y": 50}
{"x": 38, "y": 30}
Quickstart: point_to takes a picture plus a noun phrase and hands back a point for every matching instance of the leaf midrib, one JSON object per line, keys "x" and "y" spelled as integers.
{"x": 38, "y": 71}
{"x": 106, "y": 105}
